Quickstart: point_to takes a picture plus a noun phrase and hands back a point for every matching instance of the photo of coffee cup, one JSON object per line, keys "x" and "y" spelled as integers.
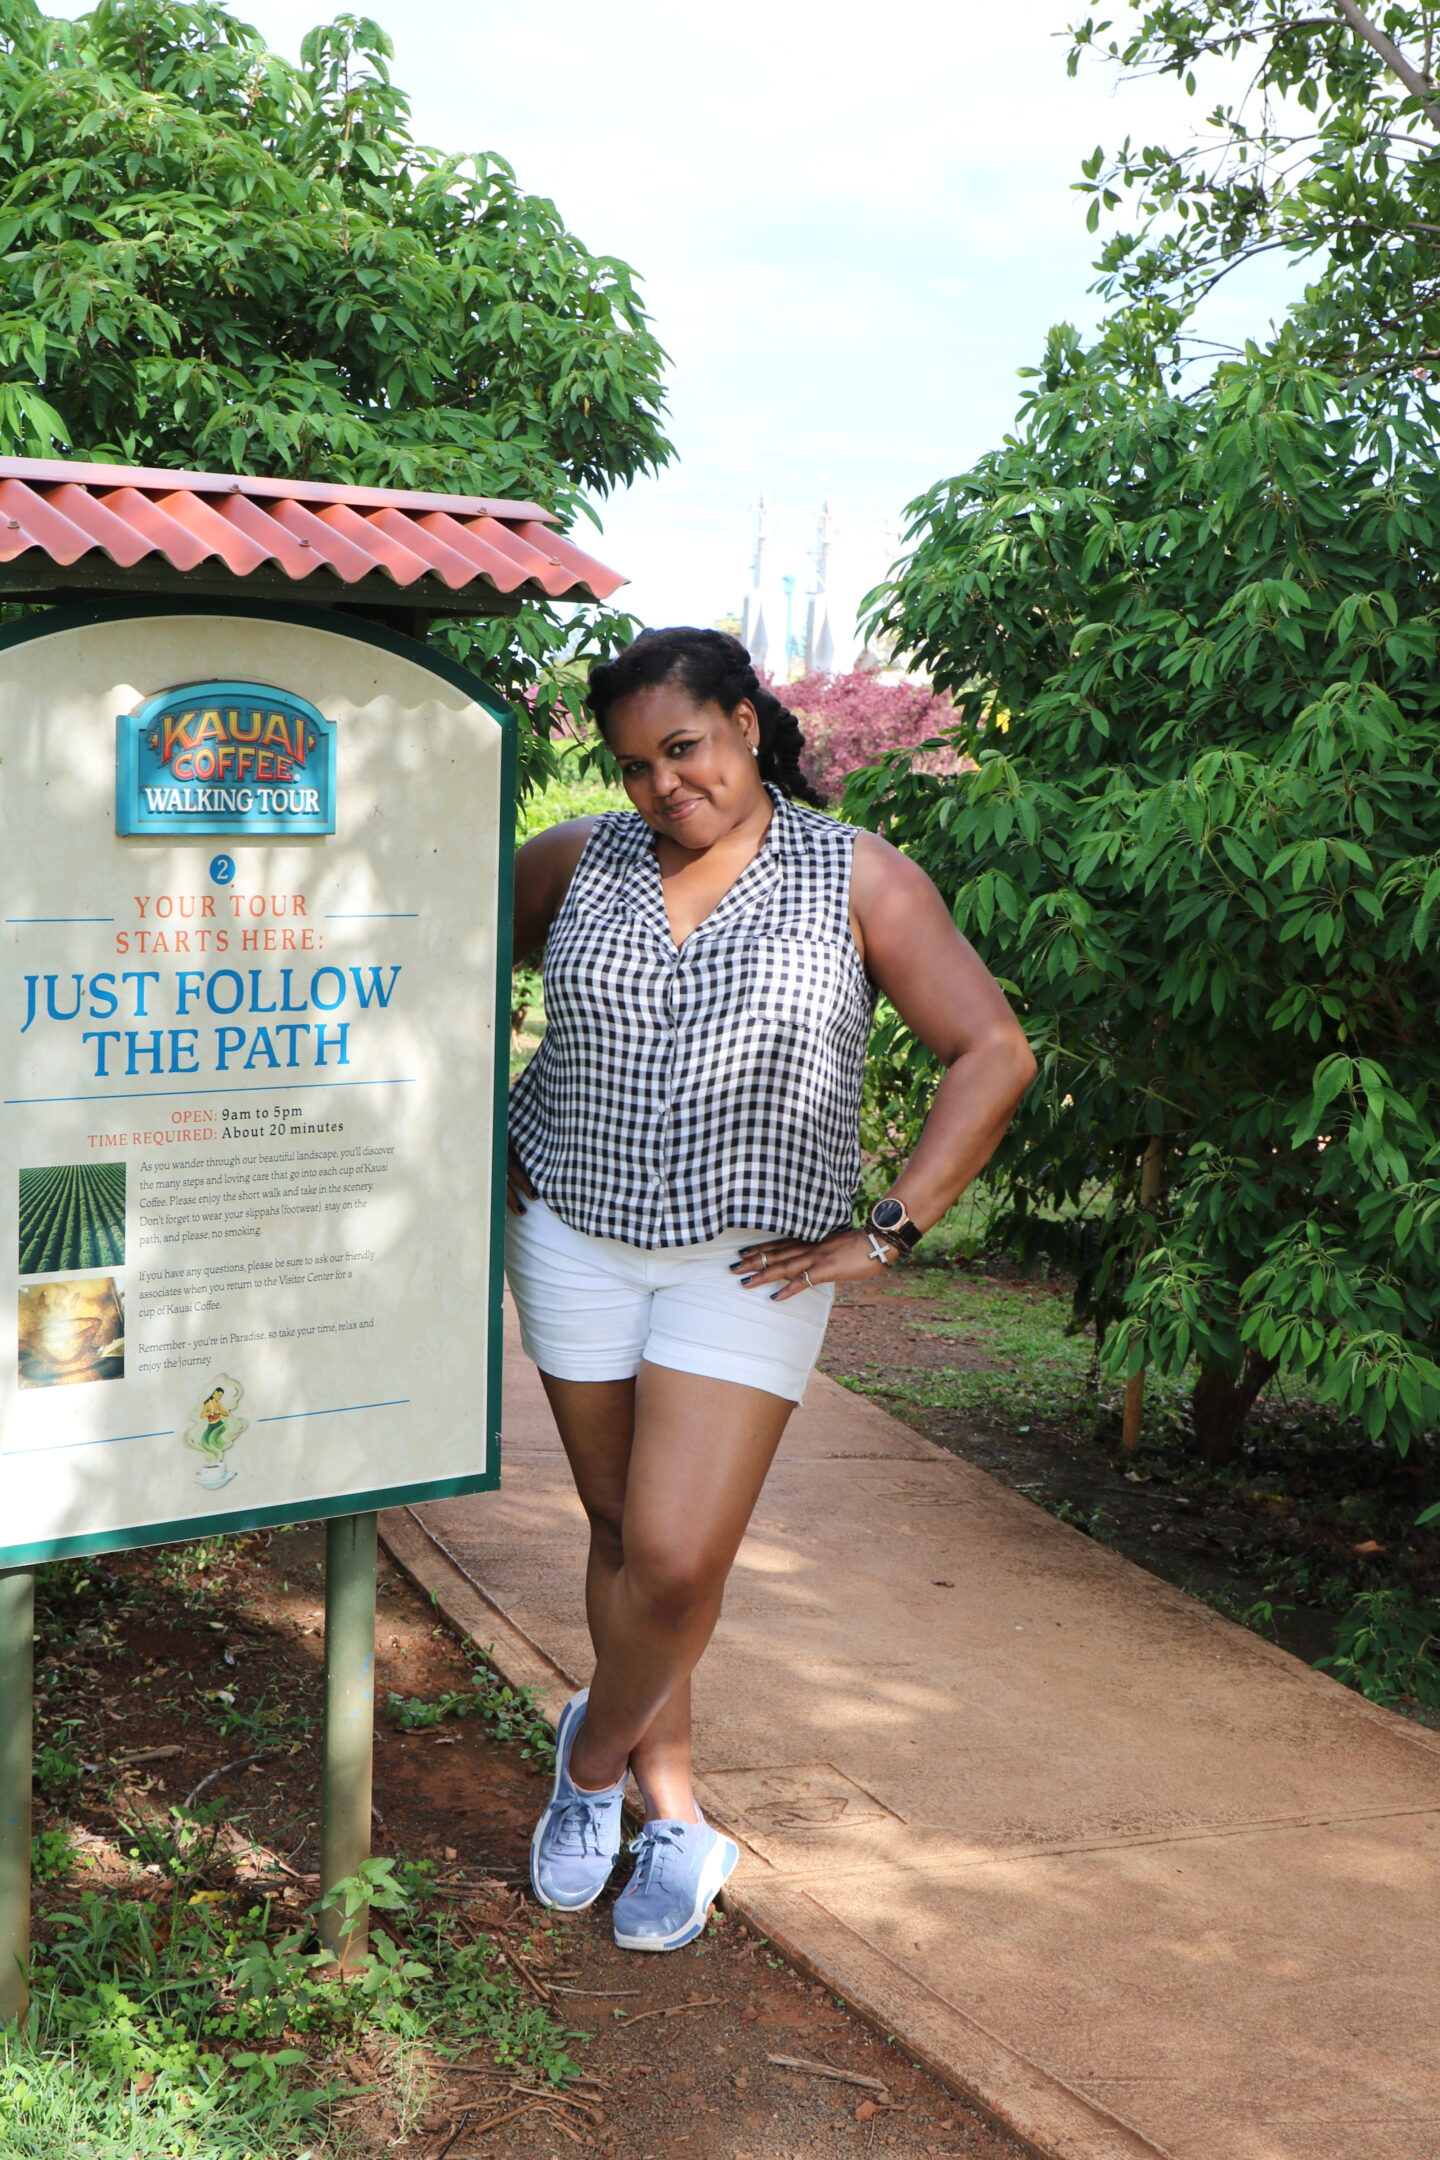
{"x": 69, "y": 1333}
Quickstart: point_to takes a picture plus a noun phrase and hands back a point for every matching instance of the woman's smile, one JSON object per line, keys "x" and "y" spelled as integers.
{"x": 689, "y": 766}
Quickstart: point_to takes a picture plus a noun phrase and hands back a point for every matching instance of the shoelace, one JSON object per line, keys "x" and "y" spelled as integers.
{"x": 650, "y": 1849}
{"x": 577, "y": 1829}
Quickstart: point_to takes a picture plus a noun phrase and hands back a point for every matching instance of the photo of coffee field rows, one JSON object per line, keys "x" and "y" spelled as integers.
{"x": 72, "y": 1216}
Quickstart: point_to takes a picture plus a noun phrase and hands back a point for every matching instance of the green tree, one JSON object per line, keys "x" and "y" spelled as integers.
{"x": 215, "y": 259}
{"x": 1329, "y": 154}
{"x": 1204, "y": 854}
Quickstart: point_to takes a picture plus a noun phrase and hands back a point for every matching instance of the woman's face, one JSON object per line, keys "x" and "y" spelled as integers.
{"x": 689, "y": 769}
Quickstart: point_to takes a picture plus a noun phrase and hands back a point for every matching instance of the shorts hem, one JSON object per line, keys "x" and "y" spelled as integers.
{"x": 699, "y": 1368}
{"x": 579, "y": 1368}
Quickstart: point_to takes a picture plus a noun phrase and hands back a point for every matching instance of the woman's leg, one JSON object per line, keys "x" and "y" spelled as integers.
{"x": 596, "y": 1422}
{"x": 699, "y": 1456}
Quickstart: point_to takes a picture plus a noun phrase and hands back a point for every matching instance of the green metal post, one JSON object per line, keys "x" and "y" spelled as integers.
{"x": 17, "y": 1715}
{"x": 349, "y": 1718}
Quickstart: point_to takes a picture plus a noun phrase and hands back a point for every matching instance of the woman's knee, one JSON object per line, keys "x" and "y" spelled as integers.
{"x": 605, "y": 1531}
{"x": 675, "y": 1585}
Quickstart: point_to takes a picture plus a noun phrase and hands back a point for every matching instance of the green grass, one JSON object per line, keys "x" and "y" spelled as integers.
{"x": 578, "y": 794}
{"x": 54, "y": 2106}
{"x": 1043, "y": 1370}
{"x": 171, "y": 2025}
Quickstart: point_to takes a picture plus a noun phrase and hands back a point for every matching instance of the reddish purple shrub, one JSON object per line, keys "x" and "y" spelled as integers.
{"x": 852, "y": 720}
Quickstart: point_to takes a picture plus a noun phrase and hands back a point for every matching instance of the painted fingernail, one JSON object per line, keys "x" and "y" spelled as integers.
{"x": 779, "y": 1293}
{"x": 745, "y": 1281}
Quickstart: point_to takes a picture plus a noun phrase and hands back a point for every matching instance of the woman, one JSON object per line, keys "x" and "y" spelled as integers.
{"x": 685, "y": 1159}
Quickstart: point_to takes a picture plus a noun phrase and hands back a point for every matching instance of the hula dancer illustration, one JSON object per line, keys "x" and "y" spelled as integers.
{"x": 213, "y": 1429}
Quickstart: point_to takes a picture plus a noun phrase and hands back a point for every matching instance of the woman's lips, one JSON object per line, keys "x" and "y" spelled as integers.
{"x": 681, "y": 809}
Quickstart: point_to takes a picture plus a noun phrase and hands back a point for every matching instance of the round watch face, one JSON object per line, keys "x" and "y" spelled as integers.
{"x": 888, "y": 1214}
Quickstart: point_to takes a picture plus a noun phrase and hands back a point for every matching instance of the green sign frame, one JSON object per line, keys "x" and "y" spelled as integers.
{"x": 54, "y": 621}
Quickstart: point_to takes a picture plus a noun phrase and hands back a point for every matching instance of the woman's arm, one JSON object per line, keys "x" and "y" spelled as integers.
{"x": 946, "y": 995}
{"x": 544, "y": 867}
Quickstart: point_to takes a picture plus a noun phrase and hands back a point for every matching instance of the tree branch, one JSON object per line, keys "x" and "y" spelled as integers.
{"x": 1417, "y": 84}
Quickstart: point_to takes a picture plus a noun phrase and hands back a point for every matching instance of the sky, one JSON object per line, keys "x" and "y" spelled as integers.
{"x": 852, "y": 225}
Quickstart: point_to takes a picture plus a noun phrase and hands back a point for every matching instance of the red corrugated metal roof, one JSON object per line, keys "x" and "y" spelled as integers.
{"x": 68, "y": 511}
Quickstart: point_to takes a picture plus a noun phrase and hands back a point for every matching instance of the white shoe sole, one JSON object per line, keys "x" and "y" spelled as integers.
{"x": 714, "y": 1875}
{"x": 573, "y": 1711}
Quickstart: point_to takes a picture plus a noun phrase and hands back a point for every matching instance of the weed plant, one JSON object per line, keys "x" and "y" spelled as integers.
{"x": 52, "y": 1854}
{"x": 197, "y": 2026}
{"x": 509, "y": 1714}
{"x": 1386, "y": 1648}
{"x": 1260, "y": 1614}
{"x": 196, "y": 1568}
{"x": 1091, "y": 1521}
{"x": 56, "y": 1768}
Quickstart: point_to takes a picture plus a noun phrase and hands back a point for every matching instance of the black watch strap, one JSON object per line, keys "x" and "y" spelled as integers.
{"x": 898, "y": 1229}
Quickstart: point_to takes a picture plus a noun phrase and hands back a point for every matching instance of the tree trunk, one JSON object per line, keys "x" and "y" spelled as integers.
{"x": 1222, "y": 1402}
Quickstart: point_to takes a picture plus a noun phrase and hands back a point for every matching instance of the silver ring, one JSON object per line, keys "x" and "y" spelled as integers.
{"x": 806, "y": 1273}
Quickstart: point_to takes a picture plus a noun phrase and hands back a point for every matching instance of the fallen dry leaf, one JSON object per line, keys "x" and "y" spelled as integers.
{"x": 866, "y": 2109}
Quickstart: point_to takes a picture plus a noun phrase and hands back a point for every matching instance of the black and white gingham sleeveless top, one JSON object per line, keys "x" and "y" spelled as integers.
{"x": 679, "y": 1093}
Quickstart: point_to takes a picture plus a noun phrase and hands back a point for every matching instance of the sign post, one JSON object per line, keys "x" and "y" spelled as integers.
{"x": 254, "y": 988}
{"x": 350, "y": 1547}
{"x": 17, "y": 1680}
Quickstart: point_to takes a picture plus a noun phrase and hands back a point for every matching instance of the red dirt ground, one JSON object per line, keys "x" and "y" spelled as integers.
{"x": 674, "y": 2051}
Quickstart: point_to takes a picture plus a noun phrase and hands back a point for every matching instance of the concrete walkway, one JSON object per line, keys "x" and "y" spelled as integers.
{"x": 1129, "y": 1878}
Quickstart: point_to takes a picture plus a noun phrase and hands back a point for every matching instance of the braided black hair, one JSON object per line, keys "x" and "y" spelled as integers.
{"x": 712, "y": 667}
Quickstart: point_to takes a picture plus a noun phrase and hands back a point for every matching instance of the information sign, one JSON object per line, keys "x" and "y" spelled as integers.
{"x": 254, "y": 992}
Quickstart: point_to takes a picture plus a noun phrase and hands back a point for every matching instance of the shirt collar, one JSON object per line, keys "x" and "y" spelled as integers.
{"x": 640, "y": 879}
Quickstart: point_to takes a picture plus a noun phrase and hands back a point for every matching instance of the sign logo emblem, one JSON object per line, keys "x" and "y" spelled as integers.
{"x": 224, "y": 757}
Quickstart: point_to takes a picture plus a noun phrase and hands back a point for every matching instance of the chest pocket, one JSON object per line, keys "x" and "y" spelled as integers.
{"x": 805, "y": 983}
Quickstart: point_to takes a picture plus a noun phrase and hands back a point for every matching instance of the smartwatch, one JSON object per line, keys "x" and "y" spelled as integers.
{"x": 890, "y": 1219}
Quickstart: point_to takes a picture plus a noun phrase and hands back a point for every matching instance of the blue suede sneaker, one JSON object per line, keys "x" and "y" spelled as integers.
{"x": 577, "y": 1838}
{"x": 679, "y": 1867}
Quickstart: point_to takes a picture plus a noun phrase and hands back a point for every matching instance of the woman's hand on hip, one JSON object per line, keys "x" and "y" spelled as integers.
{"x": 518, "y": 1188}
{"x": 789, "y": 1266}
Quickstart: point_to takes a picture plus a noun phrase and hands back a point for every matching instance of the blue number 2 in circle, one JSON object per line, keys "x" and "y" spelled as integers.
{"x": 222, "y": 868}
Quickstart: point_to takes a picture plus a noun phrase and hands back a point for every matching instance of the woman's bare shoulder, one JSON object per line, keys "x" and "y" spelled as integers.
{"x": 557, "y": 849}
{"x": 882, "y": 873}
{"x": 544, "y": 867}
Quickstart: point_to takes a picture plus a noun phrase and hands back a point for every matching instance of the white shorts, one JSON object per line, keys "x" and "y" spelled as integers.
{"x": 591, "y": 1308}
